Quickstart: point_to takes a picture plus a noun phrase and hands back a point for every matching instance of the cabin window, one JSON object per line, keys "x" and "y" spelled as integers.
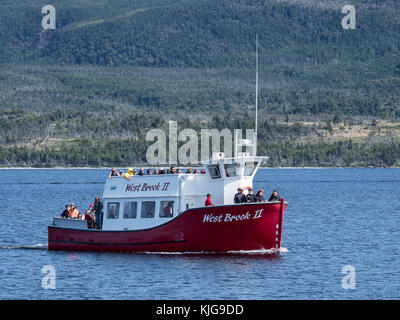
{"x": 166, "y": 209}
{"x": 214, "y": 171}
{"x": 249, "y": 168}
{"x": 130, "y": 209}
{"x": 232, "y": 169}
{"x": 113, "y": 210}
{"x": 148, "y": 209}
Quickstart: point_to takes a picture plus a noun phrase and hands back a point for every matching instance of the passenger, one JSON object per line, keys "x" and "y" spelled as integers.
{"x": 179, "y": 171}
{"x": 250, "y": 198}
{"x": 162, "y": 171}
{"x": 141, "y": 172}
{"x": 240, "y": 197}
{"x": 196, "y": 171}
{"x": 90, "y": 217}
{"x": 148, "y": 172}
{"x": 130, "y": 173}
{"x": 74, "y": 213}
{"x": 172, "y": 170}
{"x": 98, "y": 207}
{"x": 203, "y": 171}
{"x": 189, "y": 171}
{"x": 113, "y": 173}
{"x": 274, "y": 196}
{"x": 168, "y": 210}
{"x": 65, "y": 213}
{"x": 156, "y": 171}
{"x": 260, "y": 196}
{"x": 121, "y": 173}
{"x": 208, "y": 201}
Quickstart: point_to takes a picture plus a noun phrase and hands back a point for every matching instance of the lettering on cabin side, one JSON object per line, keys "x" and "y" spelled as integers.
{"x": 227, "y": 217}
{"x": 147, "y": 187}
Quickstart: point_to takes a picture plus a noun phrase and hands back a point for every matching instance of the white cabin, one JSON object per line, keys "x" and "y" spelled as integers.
{"x": 151, "y": 200}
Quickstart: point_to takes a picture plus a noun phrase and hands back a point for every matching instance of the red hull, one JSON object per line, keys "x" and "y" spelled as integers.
{"x": 208, "y": 229}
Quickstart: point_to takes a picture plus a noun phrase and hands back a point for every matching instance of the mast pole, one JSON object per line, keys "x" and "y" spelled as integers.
{"x": 255, "y": 151}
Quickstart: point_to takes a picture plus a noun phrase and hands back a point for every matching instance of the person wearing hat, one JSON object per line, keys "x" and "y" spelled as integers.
{"x": 240, "y": 197}
{"x": 130, "y": 173}
{"x": 260, "y": 196}
{"x": 250, "y": 196}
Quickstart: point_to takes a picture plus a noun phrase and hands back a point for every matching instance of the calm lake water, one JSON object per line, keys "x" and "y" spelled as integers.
{"x": 335, "y": 217}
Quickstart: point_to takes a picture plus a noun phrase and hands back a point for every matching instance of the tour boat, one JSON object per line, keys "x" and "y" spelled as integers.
{"x": 167, "y": 213}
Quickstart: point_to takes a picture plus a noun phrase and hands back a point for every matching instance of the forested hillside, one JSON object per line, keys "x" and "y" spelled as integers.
{"x": 86, "y": 93}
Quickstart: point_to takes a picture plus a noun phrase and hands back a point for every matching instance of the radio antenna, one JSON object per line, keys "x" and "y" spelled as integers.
{"x": 255, "y": 151}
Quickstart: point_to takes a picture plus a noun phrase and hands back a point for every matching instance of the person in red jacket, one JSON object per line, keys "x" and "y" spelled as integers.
{"x": 208, "y": 200}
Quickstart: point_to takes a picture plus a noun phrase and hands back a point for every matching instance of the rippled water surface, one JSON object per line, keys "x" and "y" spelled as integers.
{"x": 335, "y": 217}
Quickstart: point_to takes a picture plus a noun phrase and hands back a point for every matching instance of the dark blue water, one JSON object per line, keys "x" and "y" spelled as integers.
{"x": 336, "y": 217}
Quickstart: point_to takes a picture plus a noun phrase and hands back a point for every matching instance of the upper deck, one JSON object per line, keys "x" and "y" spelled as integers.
{"x": 222, "y": 177}
{"x": 147, "y": 201}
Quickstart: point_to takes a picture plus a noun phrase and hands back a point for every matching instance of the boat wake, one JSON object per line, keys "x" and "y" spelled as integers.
{"x": 261, "y": 251}
{"x": 236, "y": 252}
{"x": 38, "y": 246}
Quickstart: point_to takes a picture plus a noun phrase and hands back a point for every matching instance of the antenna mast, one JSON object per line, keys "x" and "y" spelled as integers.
{"x": 255, "y": 151}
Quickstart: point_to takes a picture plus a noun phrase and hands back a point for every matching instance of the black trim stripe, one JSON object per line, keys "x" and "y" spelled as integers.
{"x": 118, "y": 244}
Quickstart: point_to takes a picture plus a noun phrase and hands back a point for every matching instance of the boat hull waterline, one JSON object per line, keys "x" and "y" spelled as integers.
{"x": 225, "y": 228}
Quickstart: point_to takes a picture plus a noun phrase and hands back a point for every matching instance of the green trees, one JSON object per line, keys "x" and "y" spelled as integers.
{"x": 86, "y": 93}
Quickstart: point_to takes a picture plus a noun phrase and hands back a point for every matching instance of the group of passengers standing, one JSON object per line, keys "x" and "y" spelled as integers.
{"x": 240, "y": 197}
{"x": 93, "y": 215}
{"x": 142, "y": 172}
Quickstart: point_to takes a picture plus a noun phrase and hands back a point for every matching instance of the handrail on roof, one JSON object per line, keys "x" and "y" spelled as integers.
{"x": 237, "y": 159}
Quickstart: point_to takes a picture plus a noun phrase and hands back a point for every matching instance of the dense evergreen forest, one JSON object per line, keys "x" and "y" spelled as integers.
{"x": 86, "y": 93}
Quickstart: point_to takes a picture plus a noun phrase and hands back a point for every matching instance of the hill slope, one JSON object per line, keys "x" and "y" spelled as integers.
{"x": 108, "y": 61}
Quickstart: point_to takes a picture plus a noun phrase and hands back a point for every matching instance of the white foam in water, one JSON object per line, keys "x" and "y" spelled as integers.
{"x": 261, "y": 251}
{"x": 244, "y": 252}
{"x": 33, "y": 247}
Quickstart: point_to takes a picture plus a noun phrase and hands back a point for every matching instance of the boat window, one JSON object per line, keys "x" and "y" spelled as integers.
{"x": 249, "y": 168}
{"x": 130, "y": 209}
{"x": 214, "y": 171}
{"x": 166, "y": 209}
{"x": 112, "y": 210}
{"x": 148, "y": 208}
{"x": 232, "y": 169}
